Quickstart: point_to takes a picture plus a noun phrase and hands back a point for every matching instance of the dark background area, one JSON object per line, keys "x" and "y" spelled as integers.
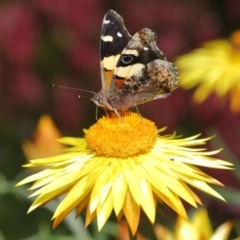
{"x": 46, "y": 42}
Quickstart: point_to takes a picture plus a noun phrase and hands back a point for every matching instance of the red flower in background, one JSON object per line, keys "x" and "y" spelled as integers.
{"x": 167, "y": 112}
{"x": 26, "y": 90}
{"x": 78, "y": 17}
{"x": 18, "y": 34}
{"x": 70, "y": 111}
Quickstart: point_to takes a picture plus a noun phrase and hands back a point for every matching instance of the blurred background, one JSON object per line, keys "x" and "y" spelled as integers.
{"x": 46, "y": 42}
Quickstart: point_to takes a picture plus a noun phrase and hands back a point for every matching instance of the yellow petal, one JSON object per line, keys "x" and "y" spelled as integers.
{"x": 185, "y": 230}
{"x": 102, "y": 184}
{"x": 222, "y": 232}
{"x": 119, "y": 187}
{"x": 131, "y": 211}
{"x": 162, "y": 233}
{"x": 104, "y": 210}
{"x": 202, "y": 223}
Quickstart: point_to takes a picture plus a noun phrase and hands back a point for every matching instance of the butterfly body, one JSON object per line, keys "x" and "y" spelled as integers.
{"x": 133, "y": 69}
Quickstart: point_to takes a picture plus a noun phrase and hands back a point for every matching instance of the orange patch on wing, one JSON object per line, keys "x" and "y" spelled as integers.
{"x": 107, "y": 78}
{"x": 118, "y": 82}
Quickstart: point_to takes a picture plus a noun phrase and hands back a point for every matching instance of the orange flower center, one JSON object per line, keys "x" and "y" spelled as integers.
{"x": 112, "y": 137}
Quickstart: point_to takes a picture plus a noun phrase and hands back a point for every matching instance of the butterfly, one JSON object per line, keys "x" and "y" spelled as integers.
{"x": 133, "y": 69}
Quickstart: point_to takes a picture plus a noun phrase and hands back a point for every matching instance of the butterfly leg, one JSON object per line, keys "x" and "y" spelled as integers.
{"x": 96, "y": 114}
{"x": 137, "y": 110}
{"x": 118, "y": 115}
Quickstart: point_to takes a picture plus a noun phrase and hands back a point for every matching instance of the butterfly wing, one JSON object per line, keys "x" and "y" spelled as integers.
{"x": 140, "y": 50}
{"x": 142, "y": 73}
{"x": 133, "y": 69}
{"x": 114, "y": 38}
{"x": 156, "y": 79}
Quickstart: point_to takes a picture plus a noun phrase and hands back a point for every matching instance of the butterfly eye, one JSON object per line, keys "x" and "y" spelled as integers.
{"x": 126, "y": 59}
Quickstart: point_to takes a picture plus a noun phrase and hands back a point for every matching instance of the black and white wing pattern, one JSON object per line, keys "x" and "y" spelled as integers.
{"x": 114, "y": 38}
{"x": 133, "y": 69}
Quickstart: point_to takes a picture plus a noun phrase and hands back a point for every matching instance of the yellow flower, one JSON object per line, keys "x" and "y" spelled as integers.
{"x": 124, "y": 167}
{"x": 214, "y": 68}
{"x": 44, "y": 144}
{"x": 199, "y": 228}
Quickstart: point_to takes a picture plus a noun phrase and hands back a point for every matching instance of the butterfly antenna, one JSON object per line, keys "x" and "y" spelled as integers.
{"x": 76, "y": 89}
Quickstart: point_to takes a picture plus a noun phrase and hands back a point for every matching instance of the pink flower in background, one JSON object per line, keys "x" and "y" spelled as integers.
{"x": 1, "y": 82}
{"x": 175, "y": 23}
{"x": 229, "y": 127}
{"x": 171, "y": 42}
{"x": 76, "y": 16}
{"x": 76, "y": 30}
{"x": 206, "y": 26}
{"x": 68, "y": 108}
{"x": 208, "y": 112}
{"x": 84, "y": 57}
{"x": 18, "y": 33}
{"x": 168, "y": 111}
{"x": 233, "y": 9}
{"x": 25, "y": 90}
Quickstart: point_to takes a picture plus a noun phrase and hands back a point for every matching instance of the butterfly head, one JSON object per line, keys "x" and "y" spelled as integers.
{"x": 101, "y": 100}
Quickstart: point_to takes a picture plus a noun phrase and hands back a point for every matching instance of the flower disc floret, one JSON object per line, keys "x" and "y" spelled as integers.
{"x": 133, "y": 135}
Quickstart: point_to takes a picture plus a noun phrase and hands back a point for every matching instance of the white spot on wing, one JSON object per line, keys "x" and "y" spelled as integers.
{"x": 146, "y": 48}
{"x": 131, "y": 51}
{"x": 107, "y": 38}
{"x": 119, "y": 34}
{"x": 106, "y": 21}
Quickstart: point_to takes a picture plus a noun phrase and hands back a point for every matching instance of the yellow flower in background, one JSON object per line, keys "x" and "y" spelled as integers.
{"x": 44, "y": 143}
{"x": 214, "y": 68}
{"x": 124, "y": 167}
{"x": 199, "y": 228}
